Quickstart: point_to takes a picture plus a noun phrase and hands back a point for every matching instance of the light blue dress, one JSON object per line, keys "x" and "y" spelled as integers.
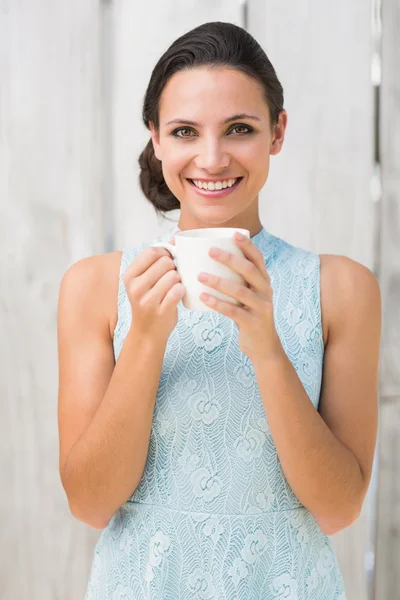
{"x": 214, "y": 517}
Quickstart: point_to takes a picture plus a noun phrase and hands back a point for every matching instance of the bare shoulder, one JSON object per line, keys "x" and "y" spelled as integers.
{"x": 94, "y": 279}
{"x": 348, "y": 289}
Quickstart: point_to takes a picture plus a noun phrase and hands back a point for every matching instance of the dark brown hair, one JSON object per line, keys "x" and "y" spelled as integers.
{"x": 211, "y": 44}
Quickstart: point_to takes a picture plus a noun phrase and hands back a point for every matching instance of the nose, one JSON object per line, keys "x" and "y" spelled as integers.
{"x": 212, "y": 156}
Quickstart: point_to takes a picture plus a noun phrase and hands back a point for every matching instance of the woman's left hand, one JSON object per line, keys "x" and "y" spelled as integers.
{"x": 258, "y": 337}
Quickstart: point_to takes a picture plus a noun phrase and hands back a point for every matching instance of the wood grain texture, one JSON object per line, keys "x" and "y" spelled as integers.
{"x": 387, "y": 576}
{"x": 50, "y": 216}
{"x": 390, "y": 213}
{"x": 387, "y": 559}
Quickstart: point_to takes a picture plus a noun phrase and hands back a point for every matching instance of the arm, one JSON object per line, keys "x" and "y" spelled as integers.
{"x": 105, "y": 409}
{"x": 327, "y": 455}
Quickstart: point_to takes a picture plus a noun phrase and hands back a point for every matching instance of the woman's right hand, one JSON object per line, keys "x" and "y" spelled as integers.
{"x": 154, "y": 289}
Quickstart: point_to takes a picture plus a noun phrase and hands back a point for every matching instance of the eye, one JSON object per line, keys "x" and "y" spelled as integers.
{"x": 249, "y": 129}
{"x": 176, "y": 131}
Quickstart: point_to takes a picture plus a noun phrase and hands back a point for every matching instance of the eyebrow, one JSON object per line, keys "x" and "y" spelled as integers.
{"x": 228, "y": 120}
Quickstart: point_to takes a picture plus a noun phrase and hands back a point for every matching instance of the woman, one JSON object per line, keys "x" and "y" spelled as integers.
{"x": 217, "y": 450}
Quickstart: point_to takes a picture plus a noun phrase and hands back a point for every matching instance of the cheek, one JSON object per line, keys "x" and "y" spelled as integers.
{"x": 173, "y": 169}
{"x": 175, "y": 161}
{"x": 252, "y": 155}
{"x": 256, "y": 163}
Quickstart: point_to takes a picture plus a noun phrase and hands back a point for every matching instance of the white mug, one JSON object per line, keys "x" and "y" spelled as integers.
{"x": 190, "y": 253}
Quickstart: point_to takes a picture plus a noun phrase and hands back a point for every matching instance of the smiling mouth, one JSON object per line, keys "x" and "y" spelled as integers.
{"x": 238, "y": 180}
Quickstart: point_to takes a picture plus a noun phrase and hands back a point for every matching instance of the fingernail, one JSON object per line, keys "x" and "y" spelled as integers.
{"x": 239, "y": 236}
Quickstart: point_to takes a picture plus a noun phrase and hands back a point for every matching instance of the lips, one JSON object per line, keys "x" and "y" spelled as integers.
{"x": 214, "y": 196}
{"x": 238, "y": 180}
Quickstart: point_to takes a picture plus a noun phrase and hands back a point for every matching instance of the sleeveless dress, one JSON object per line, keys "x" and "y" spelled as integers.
{"x": 214, "y": 517}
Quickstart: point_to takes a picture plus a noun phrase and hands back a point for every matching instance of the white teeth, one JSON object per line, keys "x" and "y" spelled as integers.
{"x": 217, "y": 185}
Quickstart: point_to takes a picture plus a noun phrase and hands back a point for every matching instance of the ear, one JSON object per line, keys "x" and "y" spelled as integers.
{"x": 156, "y": 140}
{"x": 279, "y": 133}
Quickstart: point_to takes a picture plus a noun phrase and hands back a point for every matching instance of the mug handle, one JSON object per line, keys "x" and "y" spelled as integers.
{"x": 170, "y": 247}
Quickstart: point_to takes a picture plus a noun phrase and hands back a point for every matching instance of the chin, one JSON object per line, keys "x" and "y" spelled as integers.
{"x": 215, "y": 216}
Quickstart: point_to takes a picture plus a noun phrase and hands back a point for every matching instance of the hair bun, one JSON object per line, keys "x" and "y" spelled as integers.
{"x": 152, "y": 181}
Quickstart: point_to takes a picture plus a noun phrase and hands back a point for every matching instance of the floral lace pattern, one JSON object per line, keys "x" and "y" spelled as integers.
{"x": 214, "y": 516}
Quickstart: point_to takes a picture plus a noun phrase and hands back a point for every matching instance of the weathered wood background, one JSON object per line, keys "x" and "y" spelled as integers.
{"x": 72, "y": 79}
{"x": 387, "y": 574}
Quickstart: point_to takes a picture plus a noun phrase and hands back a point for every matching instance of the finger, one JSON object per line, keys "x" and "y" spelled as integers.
{"x": 253, "y": 253}
{"x": 243, "y": 265}
{"x": 234, "y": 289}
{"x": 162, "y": 286}
{"x": 233, "y": 311}
{"x": 144, "y": 260}
{"x": 140, "y": 285}
{"x": 173, "y": 296}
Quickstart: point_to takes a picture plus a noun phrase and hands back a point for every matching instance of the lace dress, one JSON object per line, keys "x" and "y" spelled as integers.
{"x": 214, "y": 517}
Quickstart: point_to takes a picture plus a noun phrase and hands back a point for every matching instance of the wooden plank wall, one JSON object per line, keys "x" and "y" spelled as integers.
{"x": 50, "y": 216}
{"x": 387, "y": 578}
{"x": 72, "y": 79}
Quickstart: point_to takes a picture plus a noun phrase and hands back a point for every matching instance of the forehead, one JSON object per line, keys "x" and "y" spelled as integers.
{"x": 216, "y": 92}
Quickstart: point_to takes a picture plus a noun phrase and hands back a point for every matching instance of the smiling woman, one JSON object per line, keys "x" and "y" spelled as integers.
{"x": 217, "y": 449}
{"x": 213, "y": 147}
{"x": 228, "y": 102}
